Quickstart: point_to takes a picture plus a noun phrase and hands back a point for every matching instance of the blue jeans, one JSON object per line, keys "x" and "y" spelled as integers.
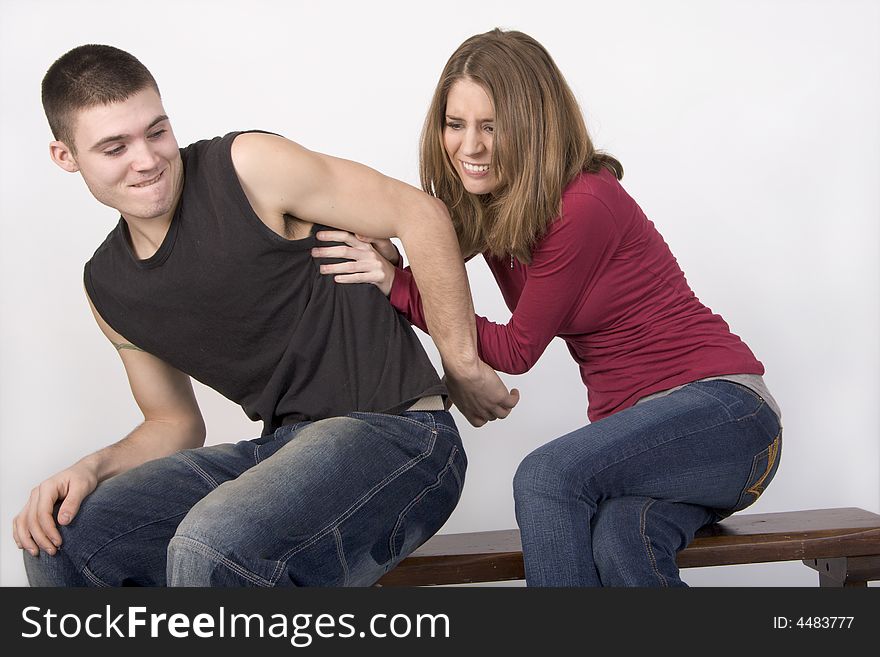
{"x": 612, "y": 503}
{"x": 337, "y": 502}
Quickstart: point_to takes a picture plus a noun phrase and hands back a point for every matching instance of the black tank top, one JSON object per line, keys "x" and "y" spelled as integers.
{"x": 246, "y": 311}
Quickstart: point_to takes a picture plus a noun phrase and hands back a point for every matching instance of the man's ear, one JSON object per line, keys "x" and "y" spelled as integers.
{"x": 62, "y": 155}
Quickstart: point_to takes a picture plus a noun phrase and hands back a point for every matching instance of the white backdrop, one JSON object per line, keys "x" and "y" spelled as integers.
{"x": 749, "y": 132}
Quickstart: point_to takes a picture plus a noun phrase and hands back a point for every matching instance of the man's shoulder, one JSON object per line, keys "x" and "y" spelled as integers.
{"x": 208, "y": 145}
{"x": 219, "y": 149}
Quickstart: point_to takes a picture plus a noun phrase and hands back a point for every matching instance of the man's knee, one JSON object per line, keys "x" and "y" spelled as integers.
{"x": 53, "y": 570}
{"x": 213, "y": 546}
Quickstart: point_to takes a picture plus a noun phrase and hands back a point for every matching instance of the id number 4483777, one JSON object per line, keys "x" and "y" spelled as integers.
{"x": 813, "y": 622}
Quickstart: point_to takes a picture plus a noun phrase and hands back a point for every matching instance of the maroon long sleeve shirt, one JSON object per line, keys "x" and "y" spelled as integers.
{"x": 604, "y": 281}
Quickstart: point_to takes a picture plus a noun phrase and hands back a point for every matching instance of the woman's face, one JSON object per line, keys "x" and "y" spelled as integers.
{"x": 468, "y": 136}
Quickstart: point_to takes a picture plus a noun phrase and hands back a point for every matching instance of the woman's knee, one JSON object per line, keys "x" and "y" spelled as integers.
{"x": 543, "y": 475}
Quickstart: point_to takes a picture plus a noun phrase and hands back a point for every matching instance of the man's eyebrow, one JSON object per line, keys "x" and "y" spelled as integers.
{"x": 112, "y": 138}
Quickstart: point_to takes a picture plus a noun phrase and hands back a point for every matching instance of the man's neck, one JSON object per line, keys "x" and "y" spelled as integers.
{"x": 147, "y": 235}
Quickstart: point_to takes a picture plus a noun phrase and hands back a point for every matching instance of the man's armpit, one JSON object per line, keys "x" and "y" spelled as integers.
{"x": 125, "y": 345}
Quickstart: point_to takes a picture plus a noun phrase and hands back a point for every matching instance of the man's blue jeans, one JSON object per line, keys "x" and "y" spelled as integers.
{"x": 337, "y": 502}
{"x": 612, "y": 503}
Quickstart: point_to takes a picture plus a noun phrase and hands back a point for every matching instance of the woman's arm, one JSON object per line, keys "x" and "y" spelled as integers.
{"x": 566, "y": 264}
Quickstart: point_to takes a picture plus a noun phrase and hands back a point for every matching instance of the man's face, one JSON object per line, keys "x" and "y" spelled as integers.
{"x": 127, "y": 155}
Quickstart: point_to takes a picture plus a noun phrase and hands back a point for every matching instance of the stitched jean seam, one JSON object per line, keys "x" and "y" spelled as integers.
{"x": 757, "y": 398}
{"x": 421, "y": 425}
{"x": 340, "y": 553}
{"x": 89, "y": 575}
{"x": 198, "y": 469}
{"x": 418, "y": 498}
{"x": 458, "y": 478}
{"x": 772, "y": 454}
{"x": 643, "y": 521}
{"x": 126, "y": 533}
{"x": 212, "y": 554}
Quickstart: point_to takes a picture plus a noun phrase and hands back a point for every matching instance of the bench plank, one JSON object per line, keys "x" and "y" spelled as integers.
{"x": 816, "y": 534}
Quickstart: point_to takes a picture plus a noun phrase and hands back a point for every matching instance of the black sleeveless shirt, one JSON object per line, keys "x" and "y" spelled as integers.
{"x": 245, "y": 311}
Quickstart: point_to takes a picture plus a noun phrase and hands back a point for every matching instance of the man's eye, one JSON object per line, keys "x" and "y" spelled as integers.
{"x": 157, "y": 134}
{"x": 115, "y": 151}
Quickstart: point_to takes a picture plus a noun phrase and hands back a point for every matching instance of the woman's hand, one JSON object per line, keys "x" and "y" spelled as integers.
{"x": 369, "y": 260}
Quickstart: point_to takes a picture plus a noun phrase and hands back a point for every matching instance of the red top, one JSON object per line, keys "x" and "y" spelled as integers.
{"x": 603, "y": 280}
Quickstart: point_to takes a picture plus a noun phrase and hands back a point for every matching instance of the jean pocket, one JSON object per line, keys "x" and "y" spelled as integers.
{"x": 764, "y": 467}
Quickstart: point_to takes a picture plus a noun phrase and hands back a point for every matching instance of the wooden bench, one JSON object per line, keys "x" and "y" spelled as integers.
{"x": 843, "y": 545}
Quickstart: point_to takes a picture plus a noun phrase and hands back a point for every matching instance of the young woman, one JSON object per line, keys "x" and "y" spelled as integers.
{"x": 682, "y": 431}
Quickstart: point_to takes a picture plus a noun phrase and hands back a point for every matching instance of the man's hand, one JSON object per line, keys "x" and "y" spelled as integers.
{"x": 34, "y": 528}
{"x": 481, "y": 395}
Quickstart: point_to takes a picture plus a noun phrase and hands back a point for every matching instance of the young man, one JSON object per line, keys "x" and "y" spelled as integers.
{"x": 209, "y": 275}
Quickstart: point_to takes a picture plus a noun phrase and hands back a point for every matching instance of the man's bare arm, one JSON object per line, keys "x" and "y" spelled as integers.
{"x": 280, "y": 177}
{"x": 172, "y": 421}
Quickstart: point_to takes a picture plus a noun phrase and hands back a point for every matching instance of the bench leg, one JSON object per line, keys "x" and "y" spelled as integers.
{"x": 846, "y": 571}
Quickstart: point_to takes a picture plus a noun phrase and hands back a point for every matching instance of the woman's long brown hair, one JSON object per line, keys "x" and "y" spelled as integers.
{"x": 541, "y": 144}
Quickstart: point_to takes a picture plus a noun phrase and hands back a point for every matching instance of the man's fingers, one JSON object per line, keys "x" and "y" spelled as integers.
{"x": 70, "y": 507}
{"x": 38, "y": 535}
{"x": 17, "y": 534}
{"x": 512, "y": 399}
{"x": 51, "y": 491}
{"x": 20, "y": 530}
{"x": 49, "y": 529}
{"x": 501, "y": 413}
{"x": 473, "y": 417}
{"x": 500, "y": 410}
{"x": 25, "y": 542}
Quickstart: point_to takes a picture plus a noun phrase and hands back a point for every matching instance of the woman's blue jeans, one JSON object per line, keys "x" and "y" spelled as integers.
{"x": 612, "y": 503}
{"x": 337, "y": 502}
